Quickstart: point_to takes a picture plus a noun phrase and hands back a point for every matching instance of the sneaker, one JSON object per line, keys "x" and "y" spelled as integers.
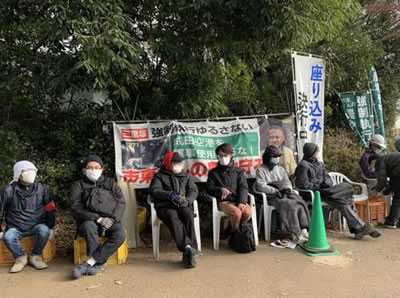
{"x": 185, "y": 257}
{"x": 95, "y": 269}
{"x": 19, "y": 264}
{"x": 375, "y": 234}
{"x": 301, "y": 239}
{"x": 37, "y": 262}
{"x": 304, "y": 234}
{"x": 365, "y": 230}
{"x": 191, "y": 256}
{"x": 389, "y": 225}
{"x": 81, "y": 270}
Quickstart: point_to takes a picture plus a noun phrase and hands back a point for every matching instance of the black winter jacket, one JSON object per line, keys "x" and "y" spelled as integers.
{"x": 231, "y": 178}
{"x": 165, "y": 182}
{"x": 25, "y": 207}
{"x": 387, "y": 166}
{"x": 310, "y": 174}
{"x": 86, "y": 195}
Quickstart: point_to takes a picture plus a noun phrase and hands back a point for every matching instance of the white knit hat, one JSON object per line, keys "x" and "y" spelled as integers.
{"x": 22, "y": 165}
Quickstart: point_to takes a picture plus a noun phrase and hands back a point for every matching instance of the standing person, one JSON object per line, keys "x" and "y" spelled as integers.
{"x": 173, "y": 193}
{"x": 29, "y": 210}
{"x": 276, "y": 136}
{"x": 97, "y": 204}
{"x": 376, "y": 145}
{"x": 388, "y": 166}
{"x": 311, "y": 175}
{"x": 272, "y": 179}
{"x": 228, "y": 185}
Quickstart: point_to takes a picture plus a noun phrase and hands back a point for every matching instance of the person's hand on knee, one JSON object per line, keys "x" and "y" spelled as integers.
{"x": 241, "y": 207}
{"x": 105, "y": 222}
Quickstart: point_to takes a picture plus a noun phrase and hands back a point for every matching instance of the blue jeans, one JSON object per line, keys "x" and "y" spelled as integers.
{"x": 12, "y": 236}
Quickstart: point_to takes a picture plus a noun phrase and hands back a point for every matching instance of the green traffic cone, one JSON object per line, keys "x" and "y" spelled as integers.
{"x": 317, "y": 244}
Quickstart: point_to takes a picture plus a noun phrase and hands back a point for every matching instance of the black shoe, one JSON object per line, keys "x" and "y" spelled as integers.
{"x": 365, "y": 230}
{"x": 191, "y": 255}
{"x": 375, "y": 234}
{"x": 185, "y": 257}
{"x": 389, "y": 224}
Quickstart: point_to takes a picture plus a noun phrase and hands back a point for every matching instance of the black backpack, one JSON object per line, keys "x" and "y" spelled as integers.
{"x": 242, "y": 240}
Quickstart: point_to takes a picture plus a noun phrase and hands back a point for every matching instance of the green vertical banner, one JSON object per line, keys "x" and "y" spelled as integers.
{"x": 358, "y": 111}
{"x": 376, "y": 95}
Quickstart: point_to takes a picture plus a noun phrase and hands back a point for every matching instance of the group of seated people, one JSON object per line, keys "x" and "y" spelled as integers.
{"x": 97, "y": 205}
{"x": 97, "y": 202}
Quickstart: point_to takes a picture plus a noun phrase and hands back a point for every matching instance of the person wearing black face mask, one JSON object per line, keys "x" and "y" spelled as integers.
{"x": 272, "y": 179}
{"x": 311, "y": 174}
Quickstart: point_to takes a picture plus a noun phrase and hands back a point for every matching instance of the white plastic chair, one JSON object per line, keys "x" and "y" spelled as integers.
{"x": 266, "y": 211}
{"x": 370, "y": 182}
{"x": 217, "y": 215}
{"x": 156, "y": 222}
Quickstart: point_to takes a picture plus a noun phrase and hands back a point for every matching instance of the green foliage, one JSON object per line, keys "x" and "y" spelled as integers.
{"x": 342, "y": 153}
{"x": 179, "y": 59}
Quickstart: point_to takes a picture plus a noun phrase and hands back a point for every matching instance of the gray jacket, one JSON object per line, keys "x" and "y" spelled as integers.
{"x": 265, "y": 175}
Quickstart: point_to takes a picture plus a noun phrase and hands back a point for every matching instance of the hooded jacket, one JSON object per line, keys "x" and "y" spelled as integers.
{"x": 387, "y": 166}
{"x": 25, "y": 207}
{"x": 231, "y": 178}
{"x": 105, "y": 190}
{"x": 364, "y": 165}
{"x": 165, "y": 182}
{"x": 310, "y": 174}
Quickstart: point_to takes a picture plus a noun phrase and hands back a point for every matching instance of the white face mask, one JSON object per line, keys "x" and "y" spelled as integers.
{"x": 224, "y": 161}
{"x": 275, "y": 160}
{"x": 177, "y": 169}
{"x": 93, "y": 174}
{"x": 28, "y": 176}
{"x": 377, "y": 150}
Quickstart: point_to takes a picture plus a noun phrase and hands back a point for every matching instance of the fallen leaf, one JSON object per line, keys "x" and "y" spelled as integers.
{"x": 93, "y": 287}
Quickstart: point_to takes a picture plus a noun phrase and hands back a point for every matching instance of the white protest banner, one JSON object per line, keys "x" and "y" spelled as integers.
{"x": 140, "y": 147}
{"x": 309, "y": 87}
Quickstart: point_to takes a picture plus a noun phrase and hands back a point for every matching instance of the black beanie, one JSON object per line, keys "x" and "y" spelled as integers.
{"x": 93, "y": 157}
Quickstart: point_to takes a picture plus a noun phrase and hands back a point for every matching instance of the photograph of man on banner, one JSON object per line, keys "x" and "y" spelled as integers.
{"x": 280, "y": 133}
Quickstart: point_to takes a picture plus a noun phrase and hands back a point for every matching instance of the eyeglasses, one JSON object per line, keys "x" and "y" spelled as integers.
{"x": 93, "y": 168}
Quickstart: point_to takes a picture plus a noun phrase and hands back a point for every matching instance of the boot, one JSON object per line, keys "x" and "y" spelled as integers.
{"x": 19, "y": 264}
{"x": 365, "y": 230}
{"x": 37, "y": 262}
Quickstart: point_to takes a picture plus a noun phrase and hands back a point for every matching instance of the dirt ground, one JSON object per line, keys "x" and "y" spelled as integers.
{"x": 367, "y": 268}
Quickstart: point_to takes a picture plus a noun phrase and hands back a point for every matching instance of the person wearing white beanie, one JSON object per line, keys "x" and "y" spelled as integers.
{"x": 29, "y": 210}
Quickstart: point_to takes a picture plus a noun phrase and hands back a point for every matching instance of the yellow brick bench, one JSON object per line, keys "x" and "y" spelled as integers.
{"x": 49, "y": 251}
{"x": 119, "y": 257}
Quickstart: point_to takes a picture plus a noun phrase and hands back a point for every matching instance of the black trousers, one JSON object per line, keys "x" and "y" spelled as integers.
{"x": 348, "y": 211}
{"x": 91, "y": 231}
{"x": 394, "y": 214}
{"x": 180, "y": 222}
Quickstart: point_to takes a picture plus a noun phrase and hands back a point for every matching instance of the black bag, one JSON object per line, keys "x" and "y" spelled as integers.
{"x": 342, "y": 192}
{"x": 242, "y": 240}
{"x": 101, "y": 199}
